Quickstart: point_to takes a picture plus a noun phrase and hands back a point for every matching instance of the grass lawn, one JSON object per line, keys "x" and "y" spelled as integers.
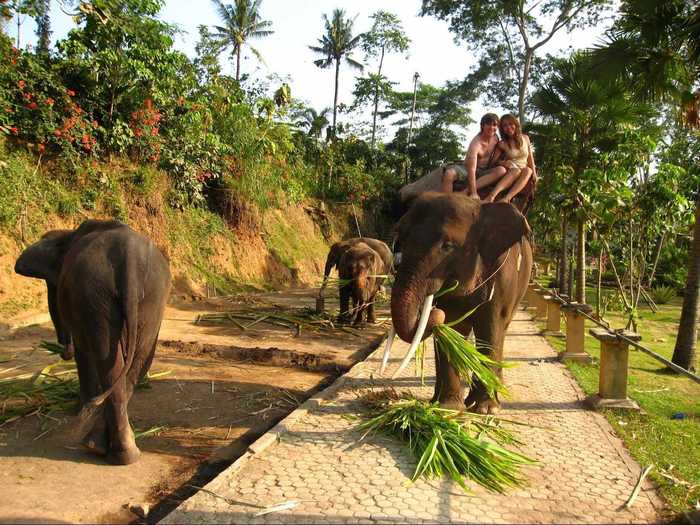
{"x": 653, "y": 435}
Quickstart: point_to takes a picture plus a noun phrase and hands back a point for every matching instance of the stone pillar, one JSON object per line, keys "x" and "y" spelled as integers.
{"x": 614, "y": 358}
{"x": 553, "y": 315}
{"x": 546, "y": 267}
{"x": 530, "y": 296}
{"x": 575, "y": 333}
{"x": 541, "y": 304}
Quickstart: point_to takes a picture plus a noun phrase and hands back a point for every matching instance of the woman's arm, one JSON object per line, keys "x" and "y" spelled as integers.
{"x": 531, "y": 158}
{"x": 497, "y": 156}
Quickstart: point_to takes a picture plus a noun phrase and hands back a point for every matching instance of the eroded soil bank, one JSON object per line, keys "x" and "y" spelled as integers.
{"x": 216, "y": 389}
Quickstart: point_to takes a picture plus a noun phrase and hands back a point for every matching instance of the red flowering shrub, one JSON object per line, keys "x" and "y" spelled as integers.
{"x": 37, "y": 109}
{"x": 144, "y": 125}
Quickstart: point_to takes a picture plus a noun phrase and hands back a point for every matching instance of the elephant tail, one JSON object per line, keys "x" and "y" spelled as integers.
{"x": 131, "y": 294}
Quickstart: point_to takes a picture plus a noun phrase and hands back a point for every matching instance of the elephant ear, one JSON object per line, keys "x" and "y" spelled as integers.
{"x": 43, "y": 259}
{"x": 501, "y": 225}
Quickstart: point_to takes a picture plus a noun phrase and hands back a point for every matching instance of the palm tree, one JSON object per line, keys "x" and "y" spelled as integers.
{"x": 314, "y": 120}
{"x": 655, "y": 47}
{"x": 241, "y": 22}
{"x": 593, "y": 113}
{"x": 335, "y": 45}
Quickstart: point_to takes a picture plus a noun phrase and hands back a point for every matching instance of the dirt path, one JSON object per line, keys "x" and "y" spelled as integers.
{"x": 222, "y": 387}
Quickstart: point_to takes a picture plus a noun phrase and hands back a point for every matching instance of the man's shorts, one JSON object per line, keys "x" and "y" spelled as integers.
{"x": 461, "y": 171}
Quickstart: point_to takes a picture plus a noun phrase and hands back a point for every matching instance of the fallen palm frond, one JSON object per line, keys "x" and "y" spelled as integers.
{"x": 55, "y": 388}
{"x": 465, "y": 446}
{"x": 295, "y": 320}
{"x": 51, "y": 347}
{"x": 466, "y": 358}
{"x": 152, "y": 430}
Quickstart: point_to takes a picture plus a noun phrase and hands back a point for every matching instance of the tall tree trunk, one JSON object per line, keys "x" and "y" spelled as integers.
{"x": 335, "y": 94}
{"x": 599, "y": 288}
{"x": 43, "y": 26}
{"x": 238, "y": 63}
{"x": 522, "y": 89}
{"x": 685, "y": 352}
{"x": 581, "y": 261}
{"x": 376, "y": 99}
{"x": 562, "y": 281}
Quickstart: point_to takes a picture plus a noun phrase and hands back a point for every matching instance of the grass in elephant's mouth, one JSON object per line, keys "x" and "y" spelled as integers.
{"x": 464, "y": 446}
{"x": 466, "y": 359}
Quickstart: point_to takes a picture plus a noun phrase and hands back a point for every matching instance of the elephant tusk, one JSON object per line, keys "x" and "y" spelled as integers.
{"x": 422, "y": 323}
{"x": 387, "y": 349}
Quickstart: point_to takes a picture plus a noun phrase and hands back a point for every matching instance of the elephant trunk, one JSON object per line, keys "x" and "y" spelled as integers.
{"x": 407, "y": 298}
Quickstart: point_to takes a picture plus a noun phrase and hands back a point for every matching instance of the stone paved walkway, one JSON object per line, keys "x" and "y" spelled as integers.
{"x": 585, "y": 475}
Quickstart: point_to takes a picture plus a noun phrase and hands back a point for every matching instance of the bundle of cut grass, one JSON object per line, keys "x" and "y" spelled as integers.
{"x": 55, "y": 388}
{"x": 465, "y": 446}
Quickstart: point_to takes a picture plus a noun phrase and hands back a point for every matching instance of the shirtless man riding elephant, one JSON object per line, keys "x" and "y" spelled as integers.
{"x": 476, "y": 171}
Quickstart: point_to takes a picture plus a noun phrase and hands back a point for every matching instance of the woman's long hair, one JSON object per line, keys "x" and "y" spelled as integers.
{"x": 517, "y": 137}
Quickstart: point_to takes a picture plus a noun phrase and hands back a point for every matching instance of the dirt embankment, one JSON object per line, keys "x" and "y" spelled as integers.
{"x": 209, "y": 255}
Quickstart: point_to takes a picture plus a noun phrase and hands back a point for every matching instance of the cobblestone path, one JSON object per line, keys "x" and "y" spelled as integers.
{"x": 584, "y": 476}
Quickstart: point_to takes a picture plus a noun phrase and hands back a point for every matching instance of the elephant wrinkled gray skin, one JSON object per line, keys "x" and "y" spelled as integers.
{"x": 340, "y": 247}
{"x": 362, "y": 266}
{"x": 450, "y": 237}
{"x": 108, "y": 286}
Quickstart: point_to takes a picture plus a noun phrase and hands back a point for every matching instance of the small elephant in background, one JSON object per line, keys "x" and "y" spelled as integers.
{"x": 340, "y": 247}
{"x": 361, "y": 271}
{"x": 107, "y": 289}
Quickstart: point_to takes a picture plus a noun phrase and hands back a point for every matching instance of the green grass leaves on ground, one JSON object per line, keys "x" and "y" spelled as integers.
{"x": 449, "y": 442}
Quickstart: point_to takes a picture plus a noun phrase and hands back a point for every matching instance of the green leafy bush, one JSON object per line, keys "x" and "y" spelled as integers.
{"x": 663, "y": 294}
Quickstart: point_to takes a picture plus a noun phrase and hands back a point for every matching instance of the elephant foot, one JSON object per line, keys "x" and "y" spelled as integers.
{"x": 68, "y": 352}
{"x": 97, "y": 442}
{"x": 479, "y": 403}
{"x": 124, "y": 457}
{"x": 451, "y": 403}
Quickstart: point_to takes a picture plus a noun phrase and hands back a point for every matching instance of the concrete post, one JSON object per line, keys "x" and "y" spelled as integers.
{"x": 541, "y": 304}
{"x": 530, "y": 296}
{"x": 614, "y": 358}
{"x": 553, "y": 315}
{"x": 575, "y": 326}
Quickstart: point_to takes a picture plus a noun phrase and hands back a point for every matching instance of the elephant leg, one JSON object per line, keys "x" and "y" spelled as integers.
{"x": 449, "y": 391}
{"x": 490, "y": 335}
{"x": 107, "y": 346}
{"x": 344, "y": 304}
{"x": 370, "y": 311}
{"x": 97, "y": 439}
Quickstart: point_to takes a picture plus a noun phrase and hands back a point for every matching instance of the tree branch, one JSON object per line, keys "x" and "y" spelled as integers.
{"x": 510, "y": 50}
{"x": 560, "y": 22}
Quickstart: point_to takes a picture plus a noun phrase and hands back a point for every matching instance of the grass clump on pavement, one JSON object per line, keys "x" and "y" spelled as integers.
{"x": 448, "y": 442}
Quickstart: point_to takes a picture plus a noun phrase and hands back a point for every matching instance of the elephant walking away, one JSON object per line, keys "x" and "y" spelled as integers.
{"x": 340, "y": 247}
{"x": 107, "y": 289}
{"x": 445, "y": 238}
{"x": 361, "y": 271}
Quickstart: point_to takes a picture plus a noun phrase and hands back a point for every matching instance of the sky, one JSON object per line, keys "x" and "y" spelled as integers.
{"x": 297, "y": 24}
